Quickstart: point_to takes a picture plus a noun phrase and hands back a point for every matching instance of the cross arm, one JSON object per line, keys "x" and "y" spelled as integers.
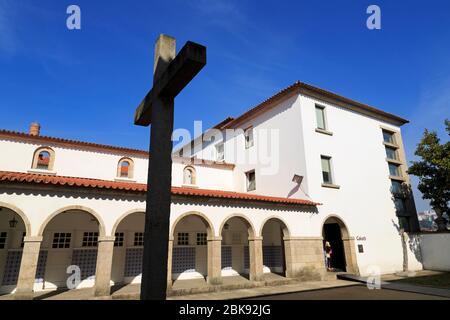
{"x": 143, "y": 113}
{"x": 181, "y": 70}
{"x": 189, "y": 61}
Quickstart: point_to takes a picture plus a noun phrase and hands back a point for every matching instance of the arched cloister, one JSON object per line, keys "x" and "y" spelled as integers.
{"x": 238, "y": 250}
{"x": 273, "y": 231}
{"x": 191, "y": 235}
{"x": 74, "y": 208}
{"x": 128, "y": 247}
{"x": 14, "y": 226}
{"x": 70, "y": 237}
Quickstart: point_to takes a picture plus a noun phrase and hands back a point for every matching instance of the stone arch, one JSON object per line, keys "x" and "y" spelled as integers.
{"x": 203, "y": 217}
{"x": 102, "y": 230}
{"x": 123, "y": 216}
{"x": 286, "y": 231}
{"x": 333, "y": 218}
{"x": 21, "y": 214}
{"x": 344, "y": 248}
{"x": 245, "y": 219}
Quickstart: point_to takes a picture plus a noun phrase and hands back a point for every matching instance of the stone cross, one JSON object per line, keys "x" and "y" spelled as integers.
{"x": 171, "y": 74}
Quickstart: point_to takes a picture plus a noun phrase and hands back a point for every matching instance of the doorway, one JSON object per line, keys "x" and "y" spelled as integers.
{"x": 332, "y": 234}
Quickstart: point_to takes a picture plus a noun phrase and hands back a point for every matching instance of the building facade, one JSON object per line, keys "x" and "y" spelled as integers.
{"x": 256, "y": 194}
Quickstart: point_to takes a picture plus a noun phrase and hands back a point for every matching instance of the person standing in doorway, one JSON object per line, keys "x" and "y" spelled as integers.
{"x": 328, "y": 253}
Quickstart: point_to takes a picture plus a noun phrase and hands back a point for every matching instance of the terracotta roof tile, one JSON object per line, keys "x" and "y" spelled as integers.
{"x": 67, "y": 142}
{"x": 297, "y": 87}
{"x": 20, "y": 177}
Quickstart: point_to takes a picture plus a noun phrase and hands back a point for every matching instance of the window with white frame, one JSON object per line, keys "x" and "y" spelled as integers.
{"x": 183, "y": 238}
{"x": 326, "y": 170}
{"x": 138, "y": 239}
{"x": 251, "y": 180}
{"x": 3, "y": 237}
{"x": 248, "y": 135}
{"x": 118, "y": 241}
{"x": 61, "y": 240}
{"x": 220, "y": 151}
{"x": 90, "y": 239}
{"x": 320, "y": 117}
{"x": 202, "y": 239}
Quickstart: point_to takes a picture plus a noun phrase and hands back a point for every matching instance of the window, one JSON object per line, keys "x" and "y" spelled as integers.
{"x": 90, "y": 239}
{"x": 202, "y": 239}
{"x": 3, "y": 237}
{"x": 388, "y": 137}
{"x": 118, "y": 242}
{"x": 248, "y": 134}
{"x": 396, "y": 187}
{"x": 326, "y": 170}
{"x": 251, "y": 180}
{"x": 394, "y": 170}
{"x": 61, "y": 240}
{"x": 189, "y": 176}
{"x": 220, "y": 152}
{"x": 43, "y": 159}
{"x": 236, "y": 238}
{"x": 138, "y": 239}
{"x": 125, "y": 168}
{"x": 391, "y": 153}
{"x": 400, "y": 206}
{"x": 183, "y": 238}
{"x": 320, "y": 117}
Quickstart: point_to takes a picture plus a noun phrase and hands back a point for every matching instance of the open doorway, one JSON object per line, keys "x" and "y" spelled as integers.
{"x": 332, "y": 235}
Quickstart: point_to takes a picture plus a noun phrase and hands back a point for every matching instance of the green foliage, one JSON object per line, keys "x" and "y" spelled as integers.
{"x": 433, "y": 169}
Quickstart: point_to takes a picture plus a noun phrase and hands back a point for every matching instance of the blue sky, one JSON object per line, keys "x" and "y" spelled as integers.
{"x": 86, "y": 84}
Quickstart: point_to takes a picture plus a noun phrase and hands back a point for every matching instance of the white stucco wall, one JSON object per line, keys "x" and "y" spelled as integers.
{"x": 79, "y": 162}
{"x": 363, "y": 201}
{"x": 435, "y": 251}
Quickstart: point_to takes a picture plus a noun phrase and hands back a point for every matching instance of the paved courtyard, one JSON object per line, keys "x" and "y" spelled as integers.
{"x": 275, "y": 288}
{"x": 354, "y": 292}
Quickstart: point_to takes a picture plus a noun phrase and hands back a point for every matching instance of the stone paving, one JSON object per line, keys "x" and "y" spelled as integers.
{"x": 239, "y": 287}
{"x": 354, "y": 292}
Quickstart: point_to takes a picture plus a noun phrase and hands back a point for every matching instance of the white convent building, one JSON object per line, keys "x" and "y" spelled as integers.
{"x": 304, "y": 167}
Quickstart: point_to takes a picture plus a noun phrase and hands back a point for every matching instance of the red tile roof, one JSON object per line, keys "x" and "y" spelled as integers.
{"x": 71, "y": 143}
{"x": 301, "y": 87}
{"x": 20, "y": 177}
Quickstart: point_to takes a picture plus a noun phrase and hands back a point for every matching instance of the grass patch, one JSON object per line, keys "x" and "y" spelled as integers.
{"x": 436, "y": 281}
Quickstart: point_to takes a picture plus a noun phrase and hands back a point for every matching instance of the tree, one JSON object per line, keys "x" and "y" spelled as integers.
{"x": 433, "y": 171}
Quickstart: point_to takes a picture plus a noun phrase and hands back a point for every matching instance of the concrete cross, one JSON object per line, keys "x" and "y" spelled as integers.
{"x": 171, "y": 74}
